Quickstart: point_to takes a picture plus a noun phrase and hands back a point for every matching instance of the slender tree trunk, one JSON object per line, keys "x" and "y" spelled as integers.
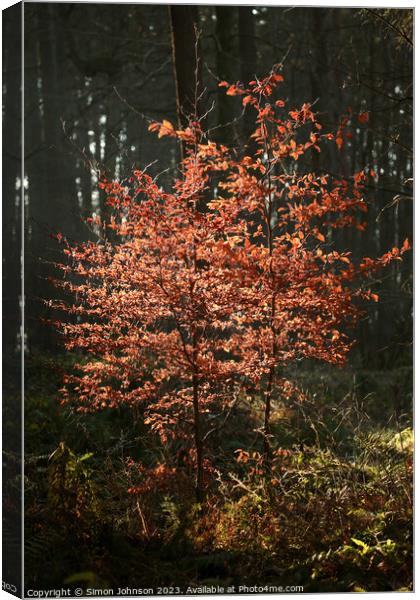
{"x": 268, "y": 396}
{"x": 85, "y": 171}
{"x": 53, "y": 204}
{"x": 198, "y": 440}
{"x": 248, "y": 54}
{"x": 183, "y": 22}
{"x": 368, "y": 327}
{"x": 61, "y": 175}
{"x": 316, "y": 21}
{"x": 271, "y": 376}
{"x": 225, "y": 23}
{"x": 385, "y": 307}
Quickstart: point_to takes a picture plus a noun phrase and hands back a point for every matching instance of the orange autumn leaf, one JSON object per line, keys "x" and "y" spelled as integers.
{"x": 247, "y": 100}
{"x": 233, "y": 90}
{"x": 162, "y": 129}
{"x": 166, "y": 129}
{"x": 406, "y": 245}
{"x": 363, "y": 117}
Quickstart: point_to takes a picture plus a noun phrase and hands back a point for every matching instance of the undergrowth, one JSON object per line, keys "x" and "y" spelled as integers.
{"x": 335, "y": 513}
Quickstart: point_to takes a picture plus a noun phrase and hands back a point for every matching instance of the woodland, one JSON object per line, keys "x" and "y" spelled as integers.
{"x": 218, "y": 296}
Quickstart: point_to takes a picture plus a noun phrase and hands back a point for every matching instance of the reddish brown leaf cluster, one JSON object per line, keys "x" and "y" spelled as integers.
{"x": 189, "y": 296}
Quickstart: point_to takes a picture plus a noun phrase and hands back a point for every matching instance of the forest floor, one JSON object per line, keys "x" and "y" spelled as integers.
{"x": 108, "y": 506}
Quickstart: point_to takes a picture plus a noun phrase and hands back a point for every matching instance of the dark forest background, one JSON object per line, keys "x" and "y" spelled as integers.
{"x": 95, "y": 76}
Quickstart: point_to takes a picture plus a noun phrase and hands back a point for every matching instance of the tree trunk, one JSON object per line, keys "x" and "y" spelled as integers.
{"x": 248, "y": 54}
{"x": 269, "y": 210}
{"x": 267, "y": 416}
{"x": 225, "y": 23}
{"x": 198, "y": 440}
{"x": 53, "y": 204}
{"x": 183, "y": 22}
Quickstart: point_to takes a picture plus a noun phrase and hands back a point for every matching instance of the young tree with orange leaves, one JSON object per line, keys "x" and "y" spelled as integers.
{"x": 153, "y": 306}
{"x": 188, "y": 296}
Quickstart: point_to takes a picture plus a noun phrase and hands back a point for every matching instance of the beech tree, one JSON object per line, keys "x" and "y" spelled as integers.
{"x": 192, "y": 295}
{"x": 154, "y": 305}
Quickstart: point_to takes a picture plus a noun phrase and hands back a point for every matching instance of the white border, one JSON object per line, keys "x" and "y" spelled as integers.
{"x": 348, "y": 4}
